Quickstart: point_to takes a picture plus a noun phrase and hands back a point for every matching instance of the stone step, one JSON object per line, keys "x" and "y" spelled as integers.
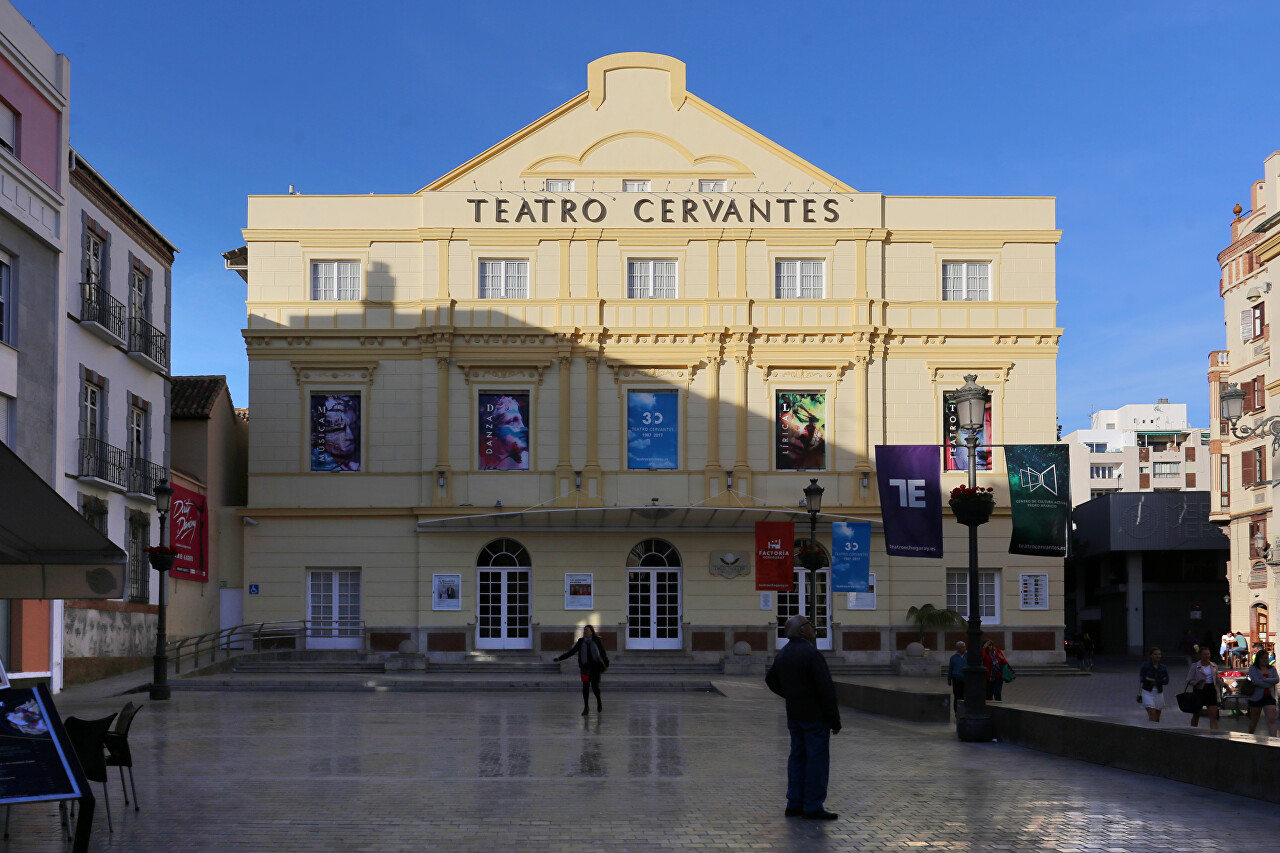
{"x": 308, "y": 666}
{"x": 452, "y": 685}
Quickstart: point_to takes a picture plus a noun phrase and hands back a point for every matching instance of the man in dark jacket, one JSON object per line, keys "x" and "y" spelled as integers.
{"x": 799, "y": 674}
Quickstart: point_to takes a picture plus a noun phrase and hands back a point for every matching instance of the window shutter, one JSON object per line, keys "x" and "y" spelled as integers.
{"x": 1246, "y": 324}
{"x": 1259, "y": 393}
{"x": 1247, "y": 469}
{"x": 1190, "y": 451}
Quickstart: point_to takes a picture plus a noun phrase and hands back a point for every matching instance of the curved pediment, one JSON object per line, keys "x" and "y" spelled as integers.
{"x": 638, "y": 153}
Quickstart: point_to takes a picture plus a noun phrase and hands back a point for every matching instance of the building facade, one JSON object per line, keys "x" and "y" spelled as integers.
{"x": 35, "y": 86}
{"x": 559, "y": 384}
{"x": 1141, "y": 447}
{"x": 1243, "y": 465}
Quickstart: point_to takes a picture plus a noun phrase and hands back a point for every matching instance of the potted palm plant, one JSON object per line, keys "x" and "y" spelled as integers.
{"x": 932, "y": 619}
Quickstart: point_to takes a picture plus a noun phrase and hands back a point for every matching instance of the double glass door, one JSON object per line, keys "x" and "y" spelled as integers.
{"x": 796, "y": 601}
{"x": 653, "y": 609}
{"x": 333, "y": 609}
{"x": 502, "y": 618}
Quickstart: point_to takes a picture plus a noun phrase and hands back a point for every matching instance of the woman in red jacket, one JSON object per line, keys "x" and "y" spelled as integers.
{"x": 994, "y": 660}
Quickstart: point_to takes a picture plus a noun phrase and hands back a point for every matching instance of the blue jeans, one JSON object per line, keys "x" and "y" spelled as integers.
{"x": 808, "y": 766}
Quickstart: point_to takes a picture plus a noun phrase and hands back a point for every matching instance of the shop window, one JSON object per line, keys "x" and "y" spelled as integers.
{"x": 799, "y": 279}
{"x": 504, "y": 279}
{"x": 966, "y": 282}
{"x": 335, "y": 280}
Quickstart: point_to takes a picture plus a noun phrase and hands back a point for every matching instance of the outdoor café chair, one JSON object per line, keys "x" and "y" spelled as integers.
{"x": 88, "y": 739}
{"x": 118, "y": 754}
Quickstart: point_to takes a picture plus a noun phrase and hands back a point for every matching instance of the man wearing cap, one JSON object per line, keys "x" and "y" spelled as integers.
{"x": 799, "y": 674}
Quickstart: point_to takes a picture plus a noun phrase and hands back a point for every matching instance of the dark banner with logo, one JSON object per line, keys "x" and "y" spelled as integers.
{"x": 775, "y": 562}
{"x": 1040, "y": 497}
{"x": 910, "y": 479}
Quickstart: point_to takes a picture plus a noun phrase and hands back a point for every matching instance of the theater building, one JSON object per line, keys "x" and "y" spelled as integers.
{"x": 560, "y": 384}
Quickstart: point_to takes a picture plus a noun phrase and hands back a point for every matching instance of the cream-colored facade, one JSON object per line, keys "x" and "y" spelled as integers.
{"x": 1244, "y": 479}
{"x": 678, "y": 284}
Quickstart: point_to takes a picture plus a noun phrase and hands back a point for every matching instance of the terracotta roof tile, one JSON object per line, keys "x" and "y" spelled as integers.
{"x": 194, "y": 396}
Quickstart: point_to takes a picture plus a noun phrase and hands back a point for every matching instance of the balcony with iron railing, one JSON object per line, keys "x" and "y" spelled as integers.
{"x": 101, "y": 313}
{"x": 144, "y": 476}
{"x": 148, "y": 345}
{"x": 104, "y": 464}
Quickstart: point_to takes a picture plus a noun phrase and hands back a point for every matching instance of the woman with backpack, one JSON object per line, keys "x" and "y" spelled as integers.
{"x": 1264, "y": 678}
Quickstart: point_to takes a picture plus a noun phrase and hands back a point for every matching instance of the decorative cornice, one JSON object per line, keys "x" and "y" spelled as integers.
{"x": 489, "y": 370}
{"x": 334, "y": 372}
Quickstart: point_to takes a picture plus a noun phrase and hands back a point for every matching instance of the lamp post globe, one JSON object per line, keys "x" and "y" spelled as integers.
{"x": 1231, "y": 402}
{"x": 160, "y": 662}
{"x": 813, "y": 503}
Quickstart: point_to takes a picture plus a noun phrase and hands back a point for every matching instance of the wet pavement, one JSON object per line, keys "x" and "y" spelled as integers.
{"x": 390, "y": 771}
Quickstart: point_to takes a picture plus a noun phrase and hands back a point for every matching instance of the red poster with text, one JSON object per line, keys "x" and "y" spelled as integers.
{"x": 775, "y": 564}
{"x": 189, "y": 535}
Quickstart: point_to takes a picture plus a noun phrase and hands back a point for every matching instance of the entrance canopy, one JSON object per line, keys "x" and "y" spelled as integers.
{"x": 711, "y": 519}
{"x": 47, "y": 549}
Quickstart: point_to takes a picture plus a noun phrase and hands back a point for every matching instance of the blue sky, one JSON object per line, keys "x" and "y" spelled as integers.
{"x": 1148, "y": 122}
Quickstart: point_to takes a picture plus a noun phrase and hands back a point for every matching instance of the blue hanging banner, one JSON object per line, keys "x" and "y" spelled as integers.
{"x": 851, "y": 556}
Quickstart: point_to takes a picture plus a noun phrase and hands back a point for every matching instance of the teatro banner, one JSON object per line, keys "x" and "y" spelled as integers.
{"x": 775, "y": 555}
{"x": 1040, "y": 498}
{"x": 189, "y": 534}
{"x": 851, "y": 556}
{"x": 957, "y": 453}
{"x": 910, "y": 480}
{"x": 653, "y": 432}
{"x": 800, "y": 431}
{"x": 504, "y": 431}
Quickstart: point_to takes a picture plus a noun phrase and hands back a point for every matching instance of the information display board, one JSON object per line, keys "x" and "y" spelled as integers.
{"x": 37, "y": 762}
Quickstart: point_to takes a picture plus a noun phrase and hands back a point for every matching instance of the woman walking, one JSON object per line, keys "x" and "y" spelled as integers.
{"x": 1263, "y": 701}
{"x": 592, "y": 660}
{"x": 1204, "y": 679}
{"x": 994, "y": 660}
{"x": 1153, "y": 677}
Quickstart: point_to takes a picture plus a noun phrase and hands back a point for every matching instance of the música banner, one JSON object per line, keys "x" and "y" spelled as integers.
{"x": 910, "y": 480}
{"x": 1040, "y": 498}
{"x": 189, "y": 535}
{"x": 775, "y": 558}
{"x": 851, "y": 556}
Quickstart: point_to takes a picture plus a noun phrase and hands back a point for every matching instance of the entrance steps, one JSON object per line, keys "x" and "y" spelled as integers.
{"x": 309, "y": 661}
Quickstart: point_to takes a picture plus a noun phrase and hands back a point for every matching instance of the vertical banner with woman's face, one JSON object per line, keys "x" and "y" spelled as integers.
{"x": 653, "y": 433}
{"x": 335, "y": 432}
{"x": 800, "y": 431}
{"x": 956, "y": 457}
{"x": 504, "y": 431}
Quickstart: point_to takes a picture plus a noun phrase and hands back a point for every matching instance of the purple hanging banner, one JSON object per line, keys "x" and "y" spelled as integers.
{"x": 910, "y": 482}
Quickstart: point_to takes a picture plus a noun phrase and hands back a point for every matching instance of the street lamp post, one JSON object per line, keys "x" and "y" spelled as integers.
{"x": 162, "y": 562}
{"x": 974, "y": 724}
{"x": 813, "y": 502}
{"x": 1231, "y": 402}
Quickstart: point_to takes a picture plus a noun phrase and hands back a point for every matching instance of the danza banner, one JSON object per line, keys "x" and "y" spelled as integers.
{"x": 1040, "y": 498}
{"x": 851, "y": 556}
{"x": 504, "y": 431}
{"x": 775, "y": 563}
{"x": 910, "y": 480}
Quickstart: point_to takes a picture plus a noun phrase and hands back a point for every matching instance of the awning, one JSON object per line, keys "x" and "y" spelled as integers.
{"x": 708, "y": 519}
{"x": 47, "y": 549}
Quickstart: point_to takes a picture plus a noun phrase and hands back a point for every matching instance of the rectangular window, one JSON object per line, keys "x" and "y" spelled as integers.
{"x": 966, "y": 282}
{"x": 137, "y": 433}
{"x": 1260, "y": 466}
{"x": 92, "y": 258}
{"x": 90, "y": 411}
{"x": 559, "y": 186}
{"x": 504, "y": 279}
{"x": 94, "y": 511}
{"x": 139, "y": 566}
{"x": 711, "y": 186}
{"x": 137, "y": 295}
{"x": 1257, "y": 538}
{"x": 1100, "y": 447}
{"x": 651, "y": 279}
{"x": 6, "y": 303}
{"x": 988, "y": 594}
{"x": 1101, "y": 472}
{"x": 799, "y": 280}
{"x": 1224, "y": 481}
{"x": 6, "y": 418}
{"x": 335, "y": 280}
{"x": 1165, "y": 469}
{"x": 1259, "y": 320}
{"x": 635, "y": 186}
{"x": 8, "y": 129}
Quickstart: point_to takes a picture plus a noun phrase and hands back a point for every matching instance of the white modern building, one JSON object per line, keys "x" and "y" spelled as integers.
{"x": 1141, "y": 447}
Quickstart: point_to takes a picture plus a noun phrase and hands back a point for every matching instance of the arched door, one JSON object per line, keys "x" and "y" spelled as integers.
{"x": 502, "y": 596}
{"x": 653, "y": 596}
{"x": 796, "y": 600}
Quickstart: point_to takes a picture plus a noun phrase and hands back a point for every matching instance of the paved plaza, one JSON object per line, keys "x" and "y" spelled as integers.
{"x": 391, "y": 771}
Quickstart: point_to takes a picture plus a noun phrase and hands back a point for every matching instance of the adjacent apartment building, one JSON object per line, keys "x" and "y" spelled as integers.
{"x": 560, "y": 383}
{"x": 1243, "y": 465}
{"x": 1140, "y": 447}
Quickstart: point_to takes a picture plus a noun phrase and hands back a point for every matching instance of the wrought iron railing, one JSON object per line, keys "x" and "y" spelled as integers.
{"x": 101, "y": 460}
{"x": 144, "y": 476}
{"x": 147, "y": 339}
{"x": 99, "y": 306}
{"x": 287, "y": 634}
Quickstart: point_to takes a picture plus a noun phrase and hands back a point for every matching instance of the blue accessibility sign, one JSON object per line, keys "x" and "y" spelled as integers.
{"x": 253, "y": 589}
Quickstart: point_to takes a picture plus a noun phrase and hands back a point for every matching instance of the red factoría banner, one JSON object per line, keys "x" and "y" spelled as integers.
{"x": 775, "y": 559}
{"x": 189, "y": 534}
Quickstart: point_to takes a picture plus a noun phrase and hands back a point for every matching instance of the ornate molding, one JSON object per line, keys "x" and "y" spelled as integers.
{"x": 488, "y": 372}
{"x": 997, "y": 372}
{"x": 820, "y": 373}
{"x": 635, "y": 373}
{"x": 360, "y": 373}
